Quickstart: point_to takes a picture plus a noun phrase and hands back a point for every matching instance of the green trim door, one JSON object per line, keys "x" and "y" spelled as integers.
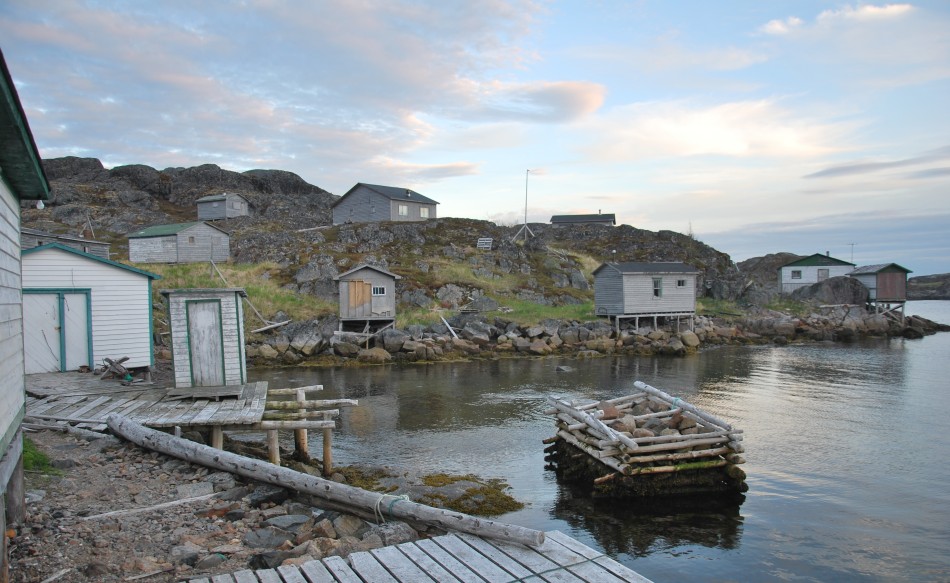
{"x": 56, "y": 323}
{"x": 205, "y": 342}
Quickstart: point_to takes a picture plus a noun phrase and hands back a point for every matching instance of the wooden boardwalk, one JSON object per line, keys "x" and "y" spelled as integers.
{"x": 220, "y": 408}
{"x": 456, "y": 558}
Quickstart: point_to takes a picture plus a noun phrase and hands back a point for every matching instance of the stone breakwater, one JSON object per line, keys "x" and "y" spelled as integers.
{"x": 479, "y": 336}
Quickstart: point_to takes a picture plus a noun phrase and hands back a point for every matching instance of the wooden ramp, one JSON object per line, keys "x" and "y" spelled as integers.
{"x": 452, "y": 558}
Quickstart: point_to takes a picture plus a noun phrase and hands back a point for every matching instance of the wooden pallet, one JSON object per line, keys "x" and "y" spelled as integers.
{"x": 452, "y": 558}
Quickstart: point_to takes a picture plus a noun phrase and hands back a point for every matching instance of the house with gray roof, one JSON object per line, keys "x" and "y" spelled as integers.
{"x": 227, "y": 205}
{"x": 180, "y": 243}
{"x": 599, "y": 219}
{"x": 634, "y": 290}
{"x": 30, "y": 238}
{"x": 366, "y": 203}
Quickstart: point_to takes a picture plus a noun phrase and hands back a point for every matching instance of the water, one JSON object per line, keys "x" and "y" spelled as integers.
{"x": 846, "y": 448}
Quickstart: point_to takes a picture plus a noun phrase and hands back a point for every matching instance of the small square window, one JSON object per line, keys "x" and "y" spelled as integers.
{"x": 424, "y": 212}
{"x": 404, "y": 210}
{"x": 379, "y": 290}
{"x": 680, "y": 283}
{"x": 796, "y": 274}
{"x": 191, "y": 240}
{"x": 658, "y": 287}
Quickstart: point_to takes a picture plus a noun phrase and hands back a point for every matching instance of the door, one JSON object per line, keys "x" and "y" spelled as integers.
{"x": 822, "y": 274}
{"x": 41, "y": 330}
{"x": 205, "y": 343}
{"x": 360, "y": 297}
{"x": 55, "y": 323}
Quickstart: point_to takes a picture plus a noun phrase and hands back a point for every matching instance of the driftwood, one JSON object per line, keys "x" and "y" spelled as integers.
{"x": 595, "y": 424}
{"x": 325, "y": 489}
{"x": 683, "y": 404}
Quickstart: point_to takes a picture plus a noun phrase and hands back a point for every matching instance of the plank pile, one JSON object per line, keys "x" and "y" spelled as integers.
{"x": 648, "y": 443}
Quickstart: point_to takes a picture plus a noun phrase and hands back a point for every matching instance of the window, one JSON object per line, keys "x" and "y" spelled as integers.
{"x": 379, "y": 290}
{"x": 680, "y": 283}
{"x": 235, "y": 205}
{"x": 214, "y": 204}
{"x": 191, "y": 240}
{"x": 823, "y": 274}
{"x": 658, "y": 287}
{"x": 404, "y": 210}
{"x": 796, "y": 274}
{"x": 424, "y": 212}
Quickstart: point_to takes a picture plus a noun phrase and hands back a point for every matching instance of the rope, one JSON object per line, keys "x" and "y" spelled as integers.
{"x": 378, "y": 511}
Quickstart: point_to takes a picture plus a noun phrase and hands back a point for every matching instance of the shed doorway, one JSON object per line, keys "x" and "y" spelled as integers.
{"x": 360, "y": 298}
{"x": 56, "y": 330}
{"x": 205, "y": 343}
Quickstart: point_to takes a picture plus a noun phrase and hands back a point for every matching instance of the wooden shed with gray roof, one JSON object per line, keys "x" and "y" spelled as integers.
{"x": 179, "y": 243}
{"x": 635, "y": 290}
{"x": 367, "y": 297}
{"x": 227, "y": 205}
{"x": 366, "y": 203}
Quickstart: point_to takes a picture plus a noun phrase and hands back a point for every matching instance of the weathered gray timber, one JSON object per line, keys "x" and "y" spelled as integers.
{"x": 30, "y": 238}
{"x": 367, "y": 293}
{"x": 207, "y": 336}
{"x": 634, "y": 290}
{"x": 325, "y": 489}
{"x": 372, "y": 202}
{"x": 646, "y": 444}
{"x": 179, "y": 243}
{"x": 222, "y": 206}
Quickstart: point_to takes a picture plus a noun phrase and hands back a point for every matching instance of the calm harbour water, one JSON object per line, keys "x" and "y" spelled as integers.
{"x": 845, "y": 444}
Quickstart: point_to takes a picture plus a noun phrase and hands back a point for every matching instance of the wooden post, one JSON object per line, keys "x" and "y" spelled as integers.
{"x": 327, "y": 452}
{"x": 300, "y": 435}
{"x": 217, "y": 437}
{"x": 273, "y": 447}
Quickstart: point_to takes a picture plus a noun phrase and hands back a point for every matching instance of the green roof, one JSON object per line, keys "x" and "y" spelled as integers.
{"x": 816, "y": 259}
{"x": 19, "y": 156}
{"x": 165, "y": 230}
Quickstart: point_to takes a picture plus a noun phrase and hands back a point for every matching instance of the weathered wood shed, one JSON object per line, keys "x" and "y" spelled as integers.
{"x": 372, "y": 202}
{"x": 634, "y": 290}
{"x": 609, "y": 219}
{"x": 886, "y": 282}
{"x": 810, "y": 270}
{"x": 30, "y": 238}
{"x": 21, "y": 178}
{"x": 207, "y": 336}
{"x": 79, "y": 309}
{"x": 222, "y": 206}
{"x": 180, "y": 243}
{"x": 367, "y": 295}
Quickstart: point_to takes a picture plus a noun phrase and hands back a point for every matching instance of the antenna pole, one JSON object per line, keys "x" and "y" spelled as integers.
{"x": 524, "y": 227}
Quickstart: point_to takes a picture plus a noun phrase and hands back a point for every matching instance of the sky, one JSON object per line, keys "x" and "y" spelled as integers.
{"x": 759, "y": 127}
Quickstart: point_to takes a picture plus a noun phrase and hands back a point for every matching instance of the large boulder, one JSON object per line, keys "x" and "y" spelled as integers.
{"x": 834, "y": 290}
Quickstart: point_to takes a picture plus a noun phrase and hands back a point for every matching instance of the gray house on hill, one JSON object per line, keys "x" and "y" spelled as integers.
{"x": 365, "y": 203}
{"x": 179, "y": 243}
{"x": 634, "y": 290}
{"x": 30, "y": 238}
{"x": 222, "y": 206}
{"x": 609, "y": 219}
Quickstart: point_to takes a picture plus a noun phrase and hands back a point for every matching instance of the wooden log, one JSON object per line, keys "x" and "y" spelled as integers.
{"x": 273, "y": 447}
{"x": 624, "y": 402}
{"x": 610, "y": 462}
{"x": 674, "y": 445}
{"x": 615, "y": 436}
{"x": 293, "y": 392}
{"x": 294, "y": 405}
{"x": 301, "y": 447}
{"x": 684, "y": 455}
{"x": 676, "y": 401}
{"x": 327, "y": 451}
{"x": 302, "y": 414}
{"x": 318, "y": 487}
{"x": 689, "y": 437}
{"x": 702, "y": 465}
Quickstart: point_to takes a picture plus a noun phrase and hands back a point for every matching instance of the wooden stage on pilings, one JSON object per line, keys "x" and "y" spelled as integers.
{"x": 454, "y": 558}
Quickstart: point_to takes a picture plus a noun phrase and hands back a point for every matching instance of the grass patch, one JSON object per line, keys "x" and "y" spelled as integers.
{"x": 789, "y": 306}
{"x": 443, "y": 272}
{"x": 35, "y": 460}
{"x": 719, "y": 308}
{"x": 528, "y": 312}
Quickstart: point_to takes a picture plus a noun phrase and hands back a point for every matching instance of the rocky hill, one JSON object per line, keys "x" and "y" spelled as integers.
{"x": 290, "y": 226}
{"x": 929, "y": 287}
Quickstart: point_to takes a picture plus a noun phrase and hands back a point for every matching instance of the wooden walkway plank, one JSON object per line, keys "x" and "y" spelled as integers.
{"x": 591, "y": 571}
{"x": 128, "y": 410}
{"x": 245, "y": 576}
{"x": 341, "y": 570}
{"x": 369, "y": 568}
{"x": 185, "y": 419}
{"x": 62, "y": 405}
{"x": 268, "y": 576}
{"x": 111, "y": 406}
{"x": 560, "y": 576}
{"x": 498, "y": 557}
{"x": 426, "y": 563}
{"x": 446, "y": 559}
{"x": 201, "y": 580}
{"x": 207, "y": 413}
{"x": 622, "y": 571}
{"x": 290, "y": 574}
{"x": 87, "y": 407}
{"x": 475, "y": 561}
{"x": 531, "y": 559}
{"x": 557, "y": 552}
{"x": 316, "y": 572}
{"x": 227, "y": 578}
{"x": 400, "y": 566}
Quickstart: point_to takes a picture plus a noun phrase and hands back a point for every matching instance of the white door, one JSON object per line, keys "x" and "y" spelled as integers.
{"x": 206, "y": 345}
{"x": 76, "y": 324}
{"x": 41, "y": 328}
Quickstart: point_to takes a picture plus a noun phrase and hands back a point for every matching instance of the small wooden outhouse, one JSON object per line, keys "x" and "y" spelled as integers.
{"x": 227, "y": 205}
{"x": 886, "y": 282}
{"x": 367, "y": 296}
{"x": 207, "y": 336}
{"x": 635, "y": 290}
{"x": 180, "y": 243}
{"x": 79, "y": 309}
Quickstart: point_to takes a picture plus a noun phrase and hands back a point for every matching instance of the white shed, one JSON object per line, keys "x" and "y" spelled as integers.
{"x": 79, "y": 309}
{"x": 207, "y": 330}
{"x": 179, "y": 243}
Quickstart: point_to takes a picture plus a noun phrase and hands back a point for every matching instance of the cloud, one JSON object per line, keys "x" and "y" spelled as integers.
{"x": 865, "y": 13}
{"x": 416, "y": 173}
{"x": 937, "y": 155}
{"x": 739, "y": 129}
{"x": 781, "y": 26}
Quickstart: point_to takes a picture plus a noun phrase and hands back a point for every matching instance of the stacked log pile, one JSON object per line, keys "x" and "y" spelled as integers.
{"x": 648, "y": 443}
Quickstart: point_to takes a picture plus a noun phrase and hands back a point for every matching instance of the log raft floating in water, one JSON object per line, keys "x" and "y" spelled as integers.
{"x": 648, "y": 443}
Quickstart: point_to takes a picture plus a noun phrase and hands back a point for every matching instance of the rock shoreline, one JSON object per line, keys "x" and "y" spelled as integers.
{"x": 316, "y": 342}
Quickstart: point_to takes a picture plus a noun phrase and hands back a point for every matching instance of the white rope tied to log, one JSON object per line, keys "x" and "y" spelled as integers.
{"x": 378, "y": 511}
